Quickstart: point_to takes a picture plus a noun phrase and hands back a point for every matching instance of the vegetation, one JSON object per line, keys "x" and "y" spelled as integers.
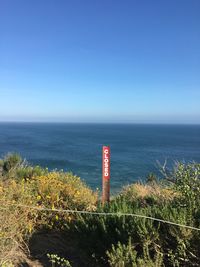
{"x": 32, "y": 231}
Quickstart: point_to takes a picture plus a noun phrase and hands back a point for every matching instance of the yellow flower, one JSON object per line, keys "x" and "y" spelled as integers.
{"x": 30, "y": 228}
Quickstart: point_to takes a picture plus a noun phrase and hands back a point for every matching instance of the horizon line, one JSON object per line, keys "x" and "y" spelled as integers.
{"x": 93, "y": 122}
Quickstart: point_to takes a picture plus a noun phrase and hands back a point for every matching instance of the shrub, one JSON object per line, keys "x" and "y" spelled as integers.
{"x": 151, "y": 178}
{"x": 18, "y": 220}
{"x": 9, "y": 164}
{"x": 29, "y": 172}
{"x": 12, "y": 166}
{"x": 186, "y": 179}
{"x": 123, "y": 255}
{"x": 16, "y": 223}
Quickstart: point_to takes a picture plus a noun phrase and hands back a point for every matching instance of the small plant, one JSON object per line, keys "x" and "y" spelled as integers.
{"x": 151, "y": 178}
{"x": 9, "y": 164}
{"x": 11, "y": 161}
{"x": 122, "y": 255}
{"x": 57, "y": 261}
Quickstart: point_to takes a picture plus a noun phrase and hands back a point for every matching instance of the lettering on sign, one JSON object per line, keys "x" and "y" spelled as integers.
{"x": 106, "y": 162}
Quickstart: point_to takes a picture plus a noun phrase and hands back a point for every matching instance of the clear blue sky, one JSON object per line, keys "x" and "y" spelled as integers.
{"x": 100, "y": 61}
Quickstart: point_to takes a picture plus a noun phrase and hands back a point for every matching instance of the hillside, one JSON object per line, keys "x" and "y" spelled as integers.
{"x": 36, "y": 231}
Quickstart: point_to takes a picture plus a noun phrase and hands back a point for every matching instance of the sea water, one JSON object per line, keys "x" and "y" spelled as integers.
{"x": 135, "y": 148}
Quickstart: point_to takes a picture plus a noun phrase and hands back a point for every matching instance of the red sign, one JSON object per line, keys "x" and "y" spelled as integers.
{"x": 106, "y": 162}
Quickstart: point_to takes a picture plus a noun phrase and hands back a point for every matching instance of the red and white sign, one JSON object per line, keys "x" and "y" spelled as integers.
{"x": 106, "y": 162}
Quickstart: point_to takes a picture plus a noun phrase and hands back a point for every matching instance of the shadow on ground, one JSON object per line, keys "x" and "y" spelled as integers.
{"x": 52, "y": 242}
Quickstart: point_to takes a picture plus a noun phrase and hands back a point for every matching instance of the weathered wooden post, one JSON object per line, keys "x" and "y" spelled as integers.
{"x": 106, "y": 174}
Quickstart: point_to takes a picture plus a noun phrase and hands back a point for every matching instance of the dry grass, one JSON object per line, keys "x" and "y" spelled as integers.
{"x": 142, "y": 191}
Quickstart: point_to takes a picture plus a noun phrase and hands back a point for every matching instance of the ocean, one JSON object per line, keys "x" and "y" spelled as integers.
{"x": 135, "y": 148}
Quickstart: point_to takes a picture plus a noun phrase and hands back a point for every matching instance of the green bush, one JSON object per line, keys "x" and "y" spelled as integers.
{"x": 13, "y": 166}
{"x": 123, "y": 255}
{"x": 186, "y": 179}
{"x": 10, "y": 163}
{"x": 176, "y": 244}
{"x": 29, "y": 172}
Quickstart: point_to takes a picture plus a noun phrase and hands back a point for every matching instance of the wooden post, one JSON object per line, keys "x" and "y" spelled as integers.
{"x": 105, "y": 174}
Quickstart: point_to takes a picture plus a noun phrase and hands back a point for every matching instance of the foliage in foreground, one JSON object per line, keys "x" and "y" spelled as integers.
{"x": 99, "y": 240}
{"x": 51, "y": 190}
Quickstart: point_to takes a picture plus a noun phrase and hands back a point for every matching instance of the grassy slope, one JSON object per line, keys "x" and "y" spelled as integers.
{"x": 27, "y": 235}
